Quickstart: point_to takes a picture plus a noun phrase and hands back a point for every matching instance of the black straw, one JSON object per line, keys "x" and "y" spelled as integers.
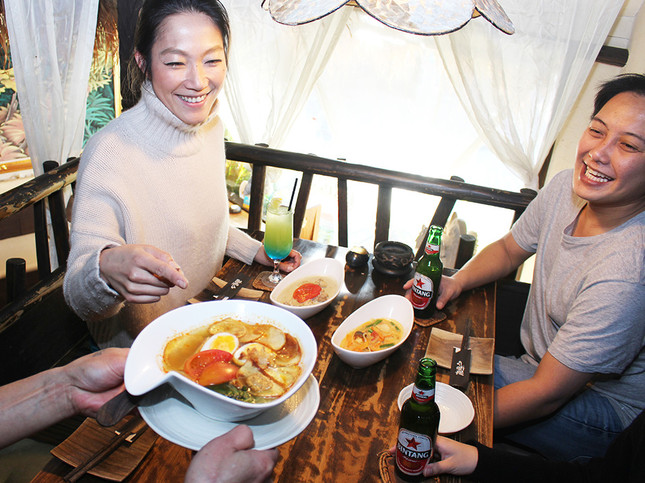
{"x": 295, "y": 183}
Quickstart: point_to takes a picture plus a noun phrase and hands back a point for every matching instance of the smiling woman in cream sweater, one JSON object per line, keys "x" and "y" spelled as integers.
{"x": 150, "y": 218}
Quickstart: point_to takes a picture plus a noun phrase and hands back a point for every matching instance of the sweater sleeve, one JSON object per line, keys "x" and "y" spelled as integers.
{"x": 241, "y": 246}
{"x": 96, "y": 225}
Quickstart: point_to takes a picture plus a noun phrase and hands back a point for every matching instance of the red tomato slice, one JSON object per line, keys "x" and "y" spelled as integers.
{"x": 217, "y": 373}
{"x": 306, "y": 291}
{"x": 196, "y": 364}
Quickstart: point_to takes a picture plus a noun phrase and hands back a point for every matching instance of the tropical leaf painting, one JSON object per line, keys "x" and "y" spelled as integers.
{"x": 100, "y": 98}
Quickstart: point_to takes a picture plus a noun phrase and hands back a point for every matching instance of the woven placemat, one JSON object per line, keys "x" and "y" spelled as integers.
{"x": 257, "y": 283}
{"x": 437, "y": 317}
{"x": 91, "y": 437}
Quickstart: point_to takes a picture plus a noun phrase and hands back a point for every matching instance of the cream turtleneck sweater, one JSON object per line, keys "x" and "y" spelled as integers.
{"x": 149, "y": 178}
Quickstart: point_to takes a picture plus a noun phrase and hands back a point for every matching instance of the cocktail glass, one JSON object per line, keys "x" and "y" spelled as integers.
{"x": 278, "y": 239}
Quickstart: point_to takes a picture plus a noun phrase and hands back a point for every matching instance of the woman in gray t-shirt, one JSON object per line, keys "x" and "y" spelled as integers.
{"x": 582, "y": 378}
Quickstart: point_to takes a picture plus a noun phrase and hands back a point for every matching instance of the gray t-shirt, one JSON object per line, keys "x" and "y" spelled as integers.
{"x": 587, "y": 300}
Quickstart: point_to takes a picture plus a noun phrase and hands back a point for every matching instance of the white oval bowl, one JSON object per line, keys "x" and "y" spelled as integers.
{"x": 325, "y": 267}
{"x": 456, "y": 409}
{"x": 144, "y": 367}
{"x": 394, "y": 307}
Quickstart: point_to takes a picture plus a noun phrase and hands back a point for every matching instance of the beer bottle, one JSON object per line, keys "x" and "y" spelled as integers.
{"x": 427, "y": 277}
{"x": 419, "y": 424}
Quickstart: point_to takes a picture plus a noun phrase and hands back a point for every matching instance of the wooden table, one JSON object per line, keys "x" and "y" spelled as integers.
{"x": 358, "y": 415}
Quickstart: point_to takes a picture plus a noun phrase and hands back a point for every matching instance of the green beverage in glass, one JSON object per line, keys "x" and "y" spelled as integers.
{"x": 278, "y": 239}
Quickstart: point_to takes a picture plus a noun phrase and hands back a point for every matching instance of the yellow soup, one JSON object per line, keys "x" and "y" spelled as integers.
{"x": 248, "y": 362}
{"x": 373, "y": 335}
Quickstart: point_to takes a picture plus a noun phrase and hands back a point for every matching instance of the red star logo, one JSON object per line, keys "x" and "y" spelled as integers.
{"x": 419, "y": 282}
{"x": 412, "y": 443}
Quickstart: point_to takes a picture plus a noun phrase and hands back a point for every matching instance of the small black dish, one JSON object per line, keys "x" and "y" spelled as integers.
{"x": 390, "y": 272}
{"x": 392, "y": 258}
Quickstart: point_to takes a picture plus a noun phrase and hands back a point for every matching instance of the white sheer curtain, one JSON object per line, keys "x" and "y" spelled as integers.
{"x": 273, "y": 68}
{"x": 519, "y": 89}
{"x": 51, "y": 45}
{"x": 386, "y": 101}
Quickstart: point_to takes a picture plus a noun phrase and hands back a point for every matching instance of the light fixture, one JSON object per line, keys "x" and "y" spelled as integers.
{"x": 423, "y": 17}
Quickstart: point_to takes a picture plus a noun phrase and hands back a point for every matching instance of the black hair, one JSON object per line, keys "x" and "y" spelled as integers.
{"x": 151, "y": 15}
{"x": 623, "y": 83}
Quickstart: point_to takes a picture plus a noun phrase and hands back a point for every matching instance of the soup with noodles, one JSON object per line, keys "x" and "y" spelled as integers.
{"x": 308, "y": 291}
{"x": 249, "y": 362}
{"x": 373, "y": 335}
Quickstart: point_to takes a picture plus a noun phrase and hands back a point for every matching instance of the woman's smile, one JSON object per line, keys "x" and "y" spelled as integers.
{"x": 595, "y": 176}
{"x": 192, "y": 99}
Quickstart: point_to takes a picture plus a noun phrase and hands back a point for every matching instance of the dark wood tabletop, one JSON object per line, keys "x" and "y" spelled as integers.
{"x": 358, "y": 415}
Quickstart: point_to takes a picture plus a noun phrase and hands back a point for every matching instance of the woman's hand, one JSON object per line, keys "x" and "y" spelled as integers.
{"x": 449, "y": 289}
{"x": 287, "y": 265}
{"x": 230, "y": 458}
{"x": 292, "y": 262}
{"x": 140, "y": 273}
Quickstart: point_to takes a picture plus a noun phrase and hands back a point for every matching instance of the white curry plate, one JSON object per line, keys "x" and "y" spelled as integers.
{"x": 173, "y": 418}
{"x": 456, "y": 409}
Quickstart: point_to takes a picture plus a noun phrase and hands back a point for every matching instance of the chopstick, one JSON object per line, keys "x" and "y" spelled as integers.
{"x": 134, "y": 426}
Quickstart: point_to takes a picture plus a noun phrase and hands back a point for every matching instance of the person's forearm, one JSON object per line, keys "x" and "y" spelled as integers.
{"x": 32, "y": 404}
{"x": 552, "y": 385}
{"x": 520, "y": 402}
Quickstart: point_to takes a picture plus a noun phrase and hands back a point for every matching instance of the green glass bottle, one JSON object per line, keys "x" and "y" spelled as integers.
{"x": 427, "y": 277}
{"x": 419, "y": 424}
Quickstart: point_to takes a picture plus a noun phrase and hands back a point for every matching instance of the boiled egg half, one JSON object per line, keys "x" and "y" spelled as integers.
{"x": 223, "y": 341}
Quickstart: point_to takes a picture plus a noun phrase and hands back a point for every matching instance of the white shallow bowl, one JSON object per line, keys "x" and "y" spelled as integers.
{"x": 144, "y": 368}
{"x": 394, "y": 307}
{"x": 456, "y": 409}
{"x": 325, "y": 267}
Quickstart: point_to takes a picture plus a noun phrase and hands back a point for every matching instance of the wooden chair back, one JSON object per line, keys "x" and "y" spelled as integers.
{"x": 37, "y": 328}
{"x": 40, "y": 192}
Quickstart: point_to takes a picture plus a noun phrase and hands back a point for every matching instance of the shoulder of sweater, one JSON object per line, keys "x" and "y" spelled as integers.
{"x": 115, "y": 145}
{"x": 109, "y": 139}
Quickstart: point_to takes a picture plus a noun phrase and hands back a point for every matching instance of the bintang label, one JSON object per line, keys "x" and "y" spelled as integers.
{"x": 412, "y": 451}
{"x": 422, "y": 289}
{"x": 422, "y": 396}
{"x": 432, "y": 249}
